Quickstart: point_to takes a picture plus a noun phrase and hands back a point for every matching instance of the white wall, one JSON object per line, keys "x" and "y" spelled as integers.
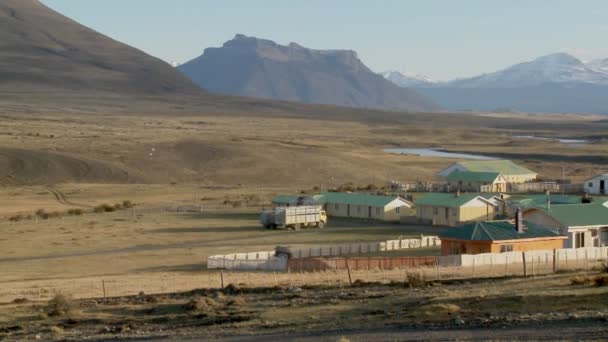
{"x": 563, "y": 255}
{"x": 594, "y": 187}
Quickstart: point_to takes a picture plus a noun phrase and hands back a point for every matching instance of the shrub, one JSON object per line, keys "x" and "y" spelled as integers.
{"x": 104, "y": 208}
{"x": 118, "y": 206}
{"x": 127, "y": 204}
{"x": 579, "y": 280}
{"x": 600, "y": 280}
{"x": 75, "y": 212}
{"x": 416, "y": 280}
{"x": 16, "y": 218}
{"x": 60, "y": 305}
{"x": 238, "y": 301}
{"x": 237, "y": 204}
{"x": 99, "y": 209}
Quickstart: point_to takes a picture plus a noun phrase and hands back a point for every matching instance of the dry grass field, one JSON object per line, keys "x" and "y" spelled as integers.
{"x": 68, "y": 161}
{"x": 547, "y": 307}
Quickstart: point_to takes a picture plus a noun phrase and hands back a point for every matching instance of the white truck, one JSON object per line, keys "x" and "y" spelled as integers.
{"x": 294, "y": 217}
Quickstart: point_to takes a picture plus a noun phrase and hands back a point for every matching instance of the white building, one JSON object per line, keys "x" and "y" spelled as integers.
{"x": 597, "y": 185}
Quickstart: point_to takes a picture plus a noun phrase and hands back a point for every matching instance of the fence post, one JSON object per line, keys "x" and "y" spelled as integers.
{"x": 506, "y": 264}
{"x": 523, "y": 255}
{"x": 103, "y": 286}
{"x": 554, "y": 260}
{"x": 350, "y": 279}
{"x": 437, "y": 269}
{"x": 222, "y": 278}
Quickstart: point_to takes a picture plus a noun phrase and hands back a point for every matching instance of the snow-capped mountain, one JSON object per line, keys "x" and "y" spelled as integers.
{"x": 558, "y": 68}
{"x": 408, "y": 79}
{"x": 600, "y": 65}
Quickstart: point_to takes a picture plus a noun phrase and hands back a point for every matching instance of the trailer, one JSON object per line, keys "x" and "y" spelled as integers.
{"x": 294, "y": 217}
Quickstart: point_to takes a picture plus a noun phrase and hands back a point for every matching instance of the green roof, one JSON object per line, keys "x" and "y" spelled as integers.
{"x": 497, "y": 231}
{"x": 445, "y": 200}
{"x": 354, "y": 198}
{"x": 358, "y": 199}
{"x": 531, "y": 201}
{"x": 574, "y": 215}
{"x": 504, "y": 167}
{"x": 468, "y": 176}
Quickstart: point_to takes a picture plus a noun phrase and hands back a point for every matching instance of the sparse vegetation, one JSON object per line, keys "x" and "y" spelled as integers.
{"x": 59, "y": 306}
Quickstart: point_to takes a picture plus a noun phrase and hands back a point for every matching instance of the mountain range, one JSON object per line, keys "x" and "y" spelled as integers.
{"x": 252, "y": 67}
{"x": 42, "y": 51}
{"x": 554, "y": 83}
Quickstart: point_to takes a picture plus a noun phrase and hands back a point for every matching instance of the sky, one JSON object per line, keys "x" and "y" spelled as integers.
{"x": 442, "y": 39}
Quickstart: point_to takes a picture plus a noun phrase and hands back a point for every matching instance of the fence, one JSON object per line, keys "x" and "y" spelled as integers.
{"x": 557, "y": 258}
{"x": 542, "y": 187}
{"x": 97, "y": 287}
{"x": 269, "y": 262}
{"x": 313, "y": 264}
{"x": 259, "y": 261}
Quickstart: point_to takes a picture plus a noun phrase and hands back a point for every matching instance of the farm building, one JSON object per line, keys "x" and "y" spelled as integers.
{"x": 586, "y": 225}
{"x": 356, "y": 205}
{"x": 512, "y": 172}
{"x": 443, "y": 209}
{"x": 360, "y": 205}
{"x": 477, "y": 181}
{"x": 499, "y": 237}
{"x": 597, "y": 185}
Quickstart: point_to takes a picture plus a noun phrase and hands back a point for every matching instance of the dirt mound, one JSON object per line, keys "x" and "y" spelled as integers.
{"x": 19, "y": 167}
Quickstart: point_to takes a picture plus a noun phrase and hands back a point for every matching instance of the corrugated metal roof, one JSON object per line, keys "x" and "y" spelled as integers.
{"x": 446, "y": 200}
{"x": 468, "y": 176}
{"x": 497, "y": 231}
{"x": 531, "y": 201}
{"x": 574, "y": 215}
{"x": 504, "y": 167}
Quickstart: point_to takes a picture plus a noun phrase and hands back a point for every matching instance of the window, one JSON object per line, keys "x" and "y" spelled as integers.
{"x": 378, "y": 211}
{"x": 435, "y": 211}
{"x": 506, "y": 248}
{"x": 337, "y": 206}
{"x": 398, "y": 210}
{"x": 358, "y": 210}
{"x": 579, "y": 240}
{"x": 590, "y": 185}
{"x": 454, "y": 212}
{"x": 447, "y": 213}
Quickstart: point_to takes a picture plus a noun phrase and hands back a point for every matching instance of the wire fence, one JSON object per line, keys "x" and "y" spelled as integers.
{"x": 117, "y": 286}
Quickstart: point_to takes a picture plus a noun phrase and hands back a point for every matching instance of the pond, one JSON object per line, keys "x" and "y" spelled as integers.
{"x": 429, "y": 152}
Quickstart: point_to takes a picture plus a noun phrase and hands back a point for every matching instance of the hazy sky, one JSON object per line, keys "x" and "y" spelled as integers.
{"x": 440, "y": 38}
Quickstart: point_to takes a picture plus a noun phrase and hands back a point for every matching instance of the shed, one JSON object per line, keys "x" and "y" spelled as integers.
{"x": 362, "y": 205}
{"x": 597, "y": 185}
{"x": 499, "y": 237}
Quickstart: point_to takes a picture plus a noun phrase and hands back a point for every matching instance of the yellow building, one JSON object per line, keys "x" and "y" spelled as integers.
{"x": 477, "y": 181}
{"x": 355, "y": 205}
{"x": 444, "y": 209}
{"x": 511, "y": 172}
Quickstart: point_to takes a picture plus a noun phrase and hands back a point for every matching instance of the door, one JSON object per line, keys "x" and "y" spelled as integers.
{"x": 348, "y": 210}
{"x": 602, "y": 187}
{"x": 369, "y": 213}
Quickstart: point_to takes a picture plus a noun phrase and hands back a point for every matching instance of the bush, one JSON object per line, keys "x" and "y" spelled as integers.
{"x": 16, "y": 218}
{"x": 60, "y": 305}
{"x": 118, "y": 206}
{"x": 127, "y": 204}
{"x": 579, "y": 280}
{"x": 416, "y": 280}
{"x": 237, "y": 204}
{"x": 104, "y": 208}
{"x": 600, "y": 280}
{"x": 75, "y": 212}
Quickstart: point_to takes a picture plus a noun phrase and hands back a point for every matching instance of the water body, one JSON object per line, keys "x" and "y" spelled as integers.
{"x": 429, "y": 152}
{"x": 563, "y": 141}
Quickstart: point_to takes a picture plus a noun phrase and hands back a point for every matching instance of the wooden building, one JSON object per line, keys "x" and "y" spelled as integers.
{"x": 597, "y": 185}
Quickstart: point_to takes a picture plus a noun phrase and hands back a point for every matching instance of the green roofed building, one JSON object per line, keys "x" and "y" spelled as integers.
{"x": 499, "y": 237}
{"x": 445, "y": 209}
{"x": 586, "y": 225}
{"x": 355, "y": 205}
{"x": 512, "y": 172}
{"x": 477, "y": 181}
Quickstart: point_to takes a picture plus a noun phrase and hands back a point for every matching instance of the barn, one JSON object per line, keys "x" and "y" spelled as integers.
{"x": 597, "y": 185}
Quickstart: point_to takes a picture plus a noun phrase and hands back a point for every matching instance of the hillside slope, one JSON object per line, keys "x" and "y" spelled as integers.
{"x": 260, "y": 68}
{"x": 41, "y": 50}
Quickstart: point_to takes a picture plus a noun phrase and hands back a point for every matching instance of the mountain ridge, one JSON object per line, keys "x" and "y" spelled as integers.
{"x": 261, "y": 68}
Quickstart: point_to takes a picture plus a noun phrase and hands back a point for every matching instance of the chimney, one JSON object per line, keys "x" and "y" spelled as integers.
{"x": 519, "y": 221}
{"x": 458, "y": 193}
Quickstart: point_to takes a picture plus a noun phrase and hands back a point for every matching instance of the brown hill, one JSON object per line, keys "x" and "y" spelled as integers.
{"x": 41, "y": 50}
